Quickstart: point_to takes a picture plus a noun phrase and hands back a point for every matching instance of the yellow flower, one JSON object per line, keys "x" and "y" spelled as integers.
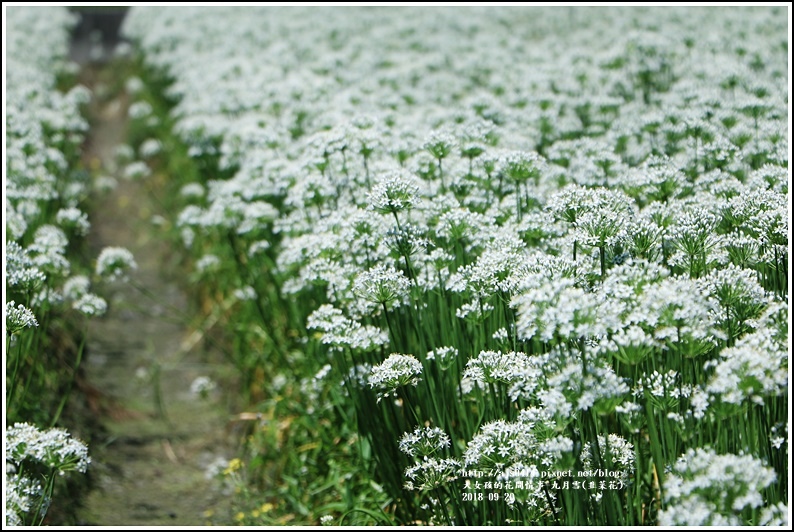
{"x": 234, "y": 465}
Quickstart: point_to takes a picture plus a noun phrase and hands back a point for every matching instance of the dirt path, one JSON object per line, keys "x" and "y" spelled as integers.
{"x": 151, "y": 469}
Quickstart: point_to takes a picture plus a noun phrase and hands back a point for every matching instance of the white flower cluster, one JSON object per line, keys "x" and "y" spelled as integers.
{"x": 90, "y": 305}
{"x": 245, "y": 293}
{"x": 393, "y": 193}
{"x": 396, "y": 371}
{"x": 495, "y": 366}
{"x": 18, "y": 318}
{"x": 710, "y": 489}
{"x": 339, "y": 331}
{"x": 76, "y": 289}
{"x": 776, "y": 515}
{"x": 20, "y": 271}
{"x": 22, "y": 493}
{"x": 614, "y": 203}
{"x": 431, "y": 473}
{"x": 44, "y": 219}
{"x": 48, "y": 250}
{"x": 381, "y": 285}
{"x": 53, "y": 447}
{"x": 208, "y": 263}
{"x": 149, "y": 148}
{"x": 42, "y": 122}
{"x": 444, "y": 356}
{"x": 555, "y": 308}
{"x": 424, "y": 441}
{"x": 202, "y": 386}
{"x": 525, "y": 450}
{"x": 114, "y": 263}
{"x": 500, "y": 444}
{"x": 757, "y": 366}
{"x": 617, "y": 456}
{"x": 73, "y": 219}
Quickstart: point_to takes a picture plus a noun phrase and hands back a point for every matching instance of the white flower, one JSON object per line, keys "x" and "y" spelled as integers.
{"x": 695, "y": 239}
{"x": 555, "y": 308}
{"x": 149, "y": 148}
{"x": 258, "y": 247}
{"x": 19, "y": 318}
{"x": 397, "y": 370}
{"x": 48, "y": 250}
{"x": 776, "y": 515}
{"x": 495, "y": 366}
{"x": 521, "y": 166}
{"x": 53, "y": 447}
{"x": 136, "y": 169}
{"x": 706, "y": 488}
{"x": 20, "y": 271}
{"x": 74, "y": 219}
{"x": 500, "y": 444}
{"x": 617, "y": 456}
{"x": 208, "y": 263}
{"x": 76, "y": 286}
{"x": 215, "y": 468}
{"x": 444, "y": 356}
{"x": 22, "y": 493}
{"x": 756, "y": 366}
{"x": 90, "y": 305}
{"x": 202, "y": 386}
{"x": 381, "y": 284}
{"x": 113, "y": 263}
{"x": 431, "y": 473}
{"x": 246, "y": 293}
{"x": 340, "y": 331}
{"x": 424, "y": 441}
{"x": 139, "y": 110}
{"x": 737, "y": 291}
{"x": 501, "y": 334}
{"x": 192, "y": 190}
{"x": 474, "y": 311}
{"x": 394, "y": 192}
{"x": 440, "y": 144}
{"x": 680, "y": 315}
{"x": 492, "y": 272}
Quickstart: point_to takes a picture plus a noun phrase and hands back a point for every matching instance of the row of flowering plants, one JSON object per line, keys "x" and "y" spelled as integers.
{"x": 529, "y": 264}
{"x": 48, "y": 275}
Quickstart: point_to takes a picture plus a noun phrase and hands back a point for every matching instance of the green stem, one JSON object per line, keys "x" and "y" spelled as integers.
{"x": 392, "y": 332}
{"x": 602, "y": 253}
{"x": 46, "y": 497}
{"x": 656, "y": 446}
{"x": 68, "y": 392}
{"x": 17, "y": 364}
{"x": 159, "y": 403}
{"x": 244, "y": 274}
{"x": 443, "y": 504}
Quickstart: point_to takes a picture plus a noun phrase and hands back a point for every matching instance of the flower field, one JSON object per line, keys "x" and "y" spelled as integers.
{"x": 474, "y": 266}
{"x": 48, "y": 277}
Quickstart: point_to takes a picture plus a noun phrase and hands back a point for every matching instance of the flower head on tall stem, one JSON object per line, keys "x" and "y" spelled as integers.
{"x": 396, "y": 371}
